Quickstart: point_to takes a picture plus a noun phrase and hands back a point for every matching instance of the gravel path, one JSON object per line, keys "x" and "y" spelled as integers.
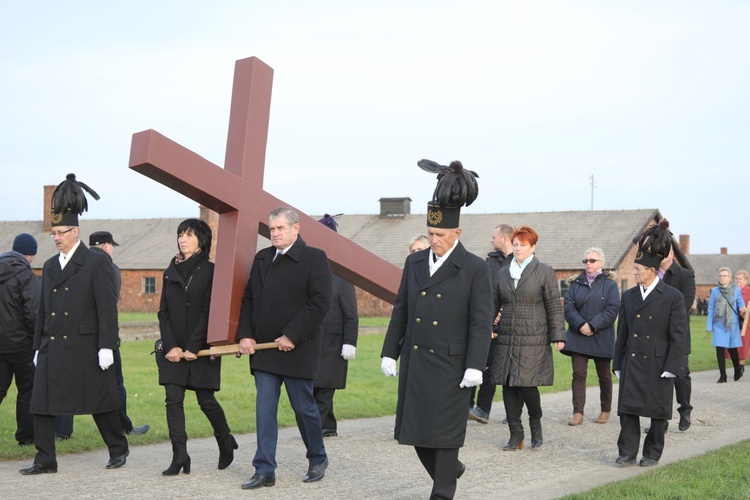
{"x": 365, "y": 462}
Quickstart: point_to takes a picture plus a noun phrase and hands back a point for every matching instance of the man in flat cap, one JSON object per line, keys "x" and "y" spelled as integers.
{"x": 441, "y": 328}
{"x": 649, "y": 351}
{"x": 19, "y": 303}
{"x": 75, "y": 337}
{"x": 103, "y": 242}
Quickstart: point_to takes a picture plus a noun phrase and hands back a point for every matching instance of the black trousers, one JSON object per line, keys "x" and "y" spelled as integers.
{"x": 515, "y": 397}
{"x": 109, "y": 427}
{"x": 175, "y": 397}
{"x": 442, "y": 466}
{"x": 21, "y": 366}
{"x": 64, "y": 423}
{"x": 630, "y": 437}
{"x": 487, "y": 388}
{"x": 683, "y": 387}
{"x": 324, "y": 399}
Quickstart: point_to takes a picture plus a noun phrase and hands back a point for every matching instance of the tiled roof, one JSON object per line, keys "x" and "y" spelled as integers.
{"x": 706, "y": 266}
{"x": 563, "y": 236}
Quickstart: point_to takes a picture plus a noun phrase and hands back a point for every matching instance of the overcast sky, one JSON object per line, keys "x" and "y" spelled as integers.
{"x": 652, "y": 99}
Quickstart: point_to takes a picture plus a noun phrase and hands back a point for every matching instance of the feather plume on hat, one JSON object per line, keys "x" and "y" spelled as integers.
{"x": 69, "y": 201}
{"x": 653, "y": 244}
{"x": 456, "y": 185}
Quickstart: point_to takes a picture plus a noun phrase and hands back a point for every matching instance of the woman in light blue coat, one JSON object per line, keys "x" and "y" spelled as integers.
{"x": 724, "y": 307}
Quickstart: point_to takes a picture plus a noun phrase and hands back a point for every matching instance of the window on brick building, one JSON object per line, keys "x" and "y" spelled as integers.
{"x": 564, "y": 285}
{"x": 149, "y": 285}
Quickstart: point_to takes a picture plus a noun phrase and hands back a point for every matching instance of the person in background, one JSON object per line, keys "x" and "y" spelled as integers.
{"x": 649, "y": 350}
{"x": 19, "y": 305}
{"x": 683, "y": 280}
{"x": 723, "y": 321}
{"x": 419, "y": 242}
{"x": 183, "y": 323}
{"x": 339, "y": 331}
{"x": 532, "y": 318}
{"x": 502, "y": 249}
{"x": 590, "y": 306}
{"x": 740, "y": 279}
{"x": 103, "y": 242}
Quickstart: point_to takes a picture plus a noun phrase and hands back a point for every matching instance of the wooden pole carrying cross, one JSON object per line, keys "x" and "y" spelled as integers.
{"x": 236, "y": 193}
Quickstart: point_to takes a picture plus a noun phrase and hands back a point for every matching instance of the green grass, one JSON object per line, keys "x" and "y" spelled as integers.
{"x": 136, "y": 317}
{"x": 370, "y": 394}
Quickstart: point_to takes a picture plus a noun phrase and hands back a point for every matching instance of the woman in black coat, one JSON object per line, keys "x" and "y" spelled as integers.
{"x": 183, "y": 322}
{"x": 591, "y": 304}
{"x": 527, "y": 297}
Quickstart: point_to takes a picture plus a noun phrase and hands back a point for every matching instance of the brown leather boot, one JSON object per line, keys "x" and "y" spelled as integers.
{"x": 576, "y": 420}
{"x": 603, "y": 418}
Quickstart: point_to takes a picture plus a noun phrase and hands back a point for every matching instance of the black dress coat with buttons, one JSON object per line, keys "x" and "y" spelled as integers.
{"x": 650, "y": 340}
{"x": 441, "y": 325}
{"x": 289, "y": 295}
{"x": 183, "y": 323}
{"x": 77, "y": 317}
{"x": 339, "y": 327}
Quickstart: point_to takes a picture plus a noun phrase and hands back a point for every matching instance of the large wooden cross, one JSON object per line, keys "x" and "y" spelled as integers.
{"x": 236, "y": 193}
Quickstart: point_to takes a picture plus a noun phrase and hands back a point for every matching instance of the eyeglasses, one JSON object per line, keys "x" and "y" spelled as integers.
{"x": 60, "y": 233}
{"x": 590, "y": 261}
{"x": 724, "y": 276}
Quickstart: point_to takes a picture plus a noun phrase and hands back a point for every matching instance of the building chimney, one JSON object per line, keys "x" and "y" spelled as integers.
{"x": 394, "y": 207}
{"x": 47, "y": 209}
{"x": 685, "y": 243}
{"x": 212, "y": 219}
{"x": 723, "y": 250}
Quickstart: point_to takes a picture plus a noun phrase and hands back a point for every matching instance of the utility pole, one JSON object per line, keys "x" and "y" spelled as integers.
{"x": 592, "y": 191}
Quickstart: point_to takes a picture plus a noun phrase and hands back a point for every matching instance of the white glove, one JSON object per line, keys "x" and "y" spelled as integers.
{"x": 348, "y": 351}
{"x": 668, "y": 375}
{"x": 617, "y": 373}
{"x": 472, "y": 378}
{"x": 388, "y": 366}
{"x": 106, "y": 358}
{"x": 36, "y": 355}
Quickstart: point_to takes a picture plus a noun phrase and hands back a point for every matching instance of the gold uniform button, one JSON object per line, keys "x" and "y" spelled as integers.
{"x": 52, "y": 314}
{"x": 66, "y": 288}
{"x": 65, "y": 313}
{"x": 424, "y": 293}
{"x": 65, "y": 337}
{"x": 434, "y": 323}
{"x": 432, "y": 351}
{"x": 632, "y": 355}
{"x": 52, "y": 338}
{"x": 637, "y": 315}
{"x": 418, "y": 320}
{"x": 415, "y": 347}
{"x": 440, "y": 296}
{"x": 645, "y": 357}
{"x": 635, "y": 335}
{"x": 648, "y": 337}
{"x": 54, "y": 290}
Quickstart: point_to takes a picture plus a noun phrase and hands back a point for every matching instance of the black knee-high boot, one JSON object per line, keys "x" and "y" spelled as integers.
{"x": 722, "y": 365}
{"x": 215, "y": 414}
{"x": 739, "y": 369}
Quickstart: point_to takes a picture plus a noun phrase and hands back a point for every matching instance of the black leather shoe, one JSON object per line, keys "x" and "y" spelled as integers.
{"x": 117, "y": 462}
{"x": 329, "y": 433}
{"x": 38, "y": 469}
{"x": 684, "y": 422}
{"x": 648, "y": 462}
{"x": 625, "y": 460}
{"x": 139, "y": 430}
{"x": 316, "y": 472}
{"x": 259, "y": 480}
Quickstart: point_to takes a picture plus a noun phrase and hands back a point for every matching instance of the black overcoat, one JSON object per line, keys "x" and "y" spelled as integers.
{"x": 441, "y": 325}
{"x": 287, "y": 296}
{"x": 77, "y": 317}
{"x": 684, "y": 281}
{"x": 183, "y": 323}
{"x": 531, "y": 320}
{"x": 650, "y": 340}
{"x": 339, "y": 327}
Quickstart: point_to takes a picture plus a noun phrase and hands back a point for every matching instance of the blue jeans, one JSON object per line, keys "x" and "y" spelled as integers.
{"x": 300, "y": 392}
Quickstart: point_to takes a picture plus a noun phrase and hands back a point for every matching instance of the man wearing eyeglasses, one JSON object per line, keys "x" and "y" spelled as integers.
{"x": 75, "y": 337}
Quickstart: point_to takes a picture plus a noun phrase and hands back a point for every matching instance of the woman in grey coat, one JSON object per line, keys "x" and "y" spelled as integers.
{"x": 531, "y": 318}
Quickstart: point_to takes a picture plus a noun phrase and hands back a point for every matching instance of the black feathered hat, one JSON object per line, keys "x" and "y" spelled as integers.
{"x": 69, "y": 201}
{"x": 456, "y": 187}
{"x": 653, "y": 245}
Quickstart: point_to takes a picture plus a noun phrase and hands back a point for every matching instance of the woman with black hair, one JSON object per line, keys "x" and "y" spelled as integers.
{"x": 183, "y": 323}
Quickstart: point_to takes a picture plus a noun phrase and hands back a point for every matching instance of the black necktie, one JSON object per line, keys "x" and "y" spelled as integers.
{"x": 434, "y": 258}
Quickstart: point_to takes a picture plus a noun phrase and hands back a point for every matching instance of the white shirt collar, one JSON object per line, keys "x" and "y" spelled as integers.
{"x": 435, "y": 265}
{"x": 644, "y": 293}
{"x": 64, "y": 258}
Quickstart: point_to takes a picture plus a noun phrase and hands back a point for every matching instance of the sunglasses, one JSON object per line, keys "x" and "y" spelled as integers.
{"x": 590, "y": 261}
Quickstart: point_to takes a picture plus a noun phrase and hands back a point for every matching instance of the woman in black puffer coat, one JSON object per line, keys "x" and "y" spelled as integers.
{"x": 591, "y": 306}
{"x": 528, "y": 301}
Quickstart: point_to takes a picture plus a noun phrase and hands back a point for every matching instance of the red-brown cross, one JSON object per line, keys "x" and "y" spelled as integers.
{"x": 236, "y": 193}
